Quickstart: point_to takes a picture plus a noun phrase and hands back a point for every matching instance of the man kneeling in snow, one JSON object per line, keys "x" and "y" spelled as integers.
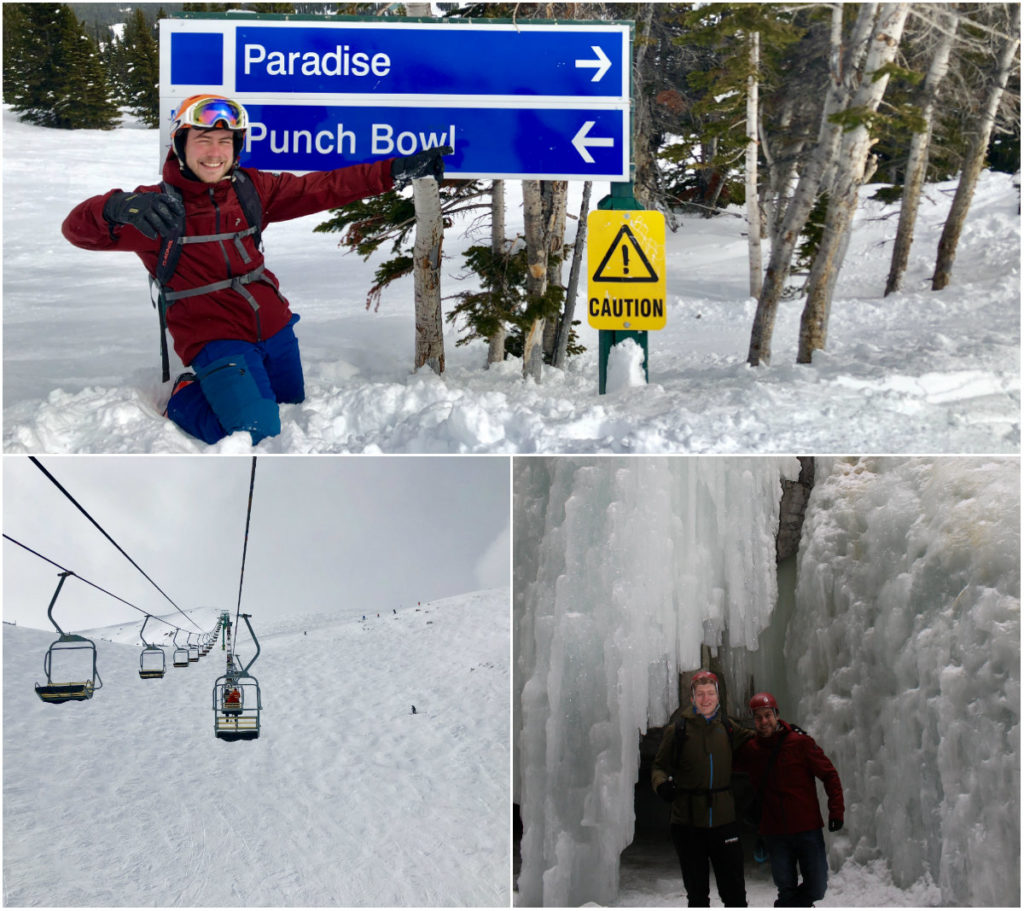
{"x": 783, "y": 763}
{"x": 224, "y": 310}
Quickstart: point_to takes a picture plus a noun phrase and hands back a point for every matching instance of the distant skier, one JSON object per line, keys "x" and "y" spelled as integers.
{"x": 783, "y": 763}
{"x": 692, "y": 771}
{"x": 224, "y": 310}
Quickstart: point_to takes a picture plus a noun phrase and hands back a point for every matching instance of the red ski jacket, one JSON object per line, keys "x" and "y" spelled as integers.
{"x": 215, "y": 209}
{"x": 790, "y": 796}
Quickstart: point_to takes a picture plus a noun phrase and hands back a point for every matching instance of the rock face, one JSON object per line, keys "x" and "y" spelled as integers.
{"x": 794, "y": 503}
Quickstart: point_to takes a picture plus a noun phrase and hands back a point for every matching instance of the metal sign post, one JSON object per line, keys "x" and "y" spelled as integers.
{"x": 626, "y": 288}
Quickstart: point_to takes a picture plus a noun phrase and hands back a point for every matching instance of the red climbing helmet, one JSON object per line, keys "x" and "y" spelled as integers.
{"x": 702, "y": 677}
{"x": 763, "y": 701}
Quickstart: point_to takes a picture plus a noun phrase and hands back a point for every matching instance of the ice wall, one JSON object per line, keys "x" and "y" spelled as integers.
{"x": 906, "y": 650}
{"x": 623, "y": 567}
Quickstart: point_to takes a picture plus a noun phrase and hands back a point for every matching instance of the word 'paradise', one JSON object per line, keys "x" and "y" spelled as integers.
{"x": 339, "y": 62}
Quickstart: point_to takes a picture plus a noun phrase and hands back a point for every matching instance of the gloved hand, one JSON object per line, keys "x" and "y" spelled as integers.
{"x": 151, "y": 213}
{"x": 666, "y": 791}
{"x": 834, "y": 825}
{"x": 429, "y": 163}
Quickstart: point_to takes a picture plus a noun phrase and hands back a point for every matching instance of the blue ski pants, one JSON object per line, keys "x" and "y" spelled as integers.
{"x": 239, "y": 387}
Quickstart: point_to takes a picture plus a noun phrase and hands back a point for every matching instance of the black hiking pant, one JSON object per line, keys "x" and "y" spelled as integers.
{"x": 701, "y": 850}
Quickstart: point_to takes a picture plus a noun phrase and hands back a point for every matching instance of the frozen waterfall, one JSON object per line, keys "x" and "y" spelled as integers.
{"x": 623, "y": 567}
{"x": 901, "y": 654}
{"x": 907, "y": 656}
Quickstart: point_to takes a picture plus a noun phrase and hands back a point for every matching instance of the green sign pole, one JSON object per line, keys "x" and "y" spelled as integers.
{"x": 621, "y": 197}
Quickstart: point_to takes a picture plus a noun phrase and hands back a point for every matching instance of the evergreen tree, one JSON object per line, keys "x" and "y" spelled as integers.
{"x": 84, "y": 99}
{"x": 139, "y": 69}
{"x": 60, "y": 80}
{"x": 30, "y": 49}
{"x": 15, "y": 34}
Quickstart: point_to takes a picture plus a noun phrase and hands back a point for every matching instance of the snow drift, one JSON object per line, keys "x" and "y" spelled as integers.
{"x": 917, "y": 371}
{"x": 346, "y": 799}
{"x": 901, "y": 654}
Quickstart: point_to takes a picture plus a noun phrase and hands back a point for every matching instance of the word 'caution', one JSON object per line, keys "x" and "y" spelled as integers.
{"x": 626, "y": 269}
{"x": 627, "y": 308}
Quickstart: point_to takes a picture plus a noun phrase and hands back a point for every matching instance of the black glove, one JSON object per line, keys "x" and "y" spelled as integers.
{"x": 151, "y": 213}
{"x": 666, "y": 791}
{"x": 429, "y": 163}
{"x": 834, "y": 825}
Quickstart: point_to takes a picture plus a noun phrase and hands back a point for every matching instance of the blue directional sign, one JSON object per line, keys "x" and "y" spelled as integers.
{"x": 431, "y": 60}
{"x": 318, "y": 138}
{"x": 515, "y": 100}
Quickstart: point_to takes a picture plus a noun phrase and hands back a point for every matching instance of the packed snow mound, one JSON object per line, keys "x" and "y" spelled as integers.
{"x": 347, "y": 798}
{"x": 918, "y": 371}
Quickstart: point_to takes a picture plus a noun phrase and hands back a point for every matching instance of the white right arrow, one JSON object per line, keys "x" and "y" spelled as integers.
{"x": 581, "y": 141}
{"x": 601, "y": 65}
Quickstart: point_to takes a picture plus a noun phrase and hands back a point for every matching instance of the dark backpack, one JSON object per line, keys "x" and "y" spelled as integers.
{"x": 170, "y": 253}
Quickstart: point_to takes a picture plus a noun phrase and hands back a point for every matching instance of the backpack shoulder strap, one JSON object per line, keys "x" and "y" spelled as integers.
{"x": 250, "y": 201}
{"x": 170, "y": 244}
{"x": 679, "y": 738}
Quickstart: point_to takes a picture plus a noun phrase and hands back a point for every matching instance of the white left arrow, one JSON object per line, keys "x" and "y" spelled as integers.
{"x": 582, "y": 140}
{"x": 601, "y": 65}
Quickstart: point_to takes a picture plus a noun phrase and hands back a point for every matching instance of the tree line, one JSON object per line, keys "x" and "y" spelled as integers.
{"x": 785, "y": 109}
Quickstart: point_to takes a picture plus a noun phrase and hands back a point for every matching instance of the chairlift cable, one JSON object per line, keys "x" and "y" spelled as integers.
{"x": 245, "y": 542}
{"x": 87, "y": 582}
{"x": 84, "y": 512}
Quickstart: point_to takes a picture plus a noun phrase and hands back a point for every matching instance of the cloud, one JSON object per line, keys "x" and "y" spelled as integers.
{"x": 494, "y": 566}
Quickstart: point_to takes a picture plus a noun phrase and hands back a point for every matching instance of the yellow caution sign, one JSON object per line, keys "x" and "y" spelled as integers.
{"x": 626, "y": 269}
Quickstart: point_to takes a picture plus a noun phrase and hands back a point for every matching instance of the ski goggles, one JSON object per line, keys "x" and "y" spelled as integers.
{"x": 213, "y": 113}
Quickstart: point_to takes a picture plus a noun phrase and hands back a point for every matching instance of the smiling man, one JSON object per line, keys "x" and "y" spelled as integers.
{"x": 784, "y": 764}
{"x": 198, "y": 235}
{"x": 692, "y": 772}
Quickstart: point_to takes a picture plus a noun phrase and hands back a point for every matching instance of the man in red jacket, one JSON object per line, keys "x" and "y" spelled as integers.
{"x": 783, "y": 763}
{"x": 224, "y": 310}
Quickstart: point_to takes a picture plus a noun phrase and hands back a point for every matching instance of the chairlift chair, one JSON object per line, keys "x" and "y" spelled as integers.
{"x": 67, "y": 691}
{"x": 152, "y": 660}
{"x": 193, "y": 650}
{"x": 237, "y": 702}
{"x": 179, "y": 657}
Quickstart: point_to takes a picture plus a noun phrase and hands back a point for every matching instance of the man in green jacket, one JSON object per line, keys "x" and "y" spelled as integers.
{"x": 692, "y": 771}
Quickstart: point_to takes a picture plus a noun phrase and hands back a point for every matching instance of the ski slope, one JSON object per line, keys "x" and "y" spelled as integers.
{"x": 346, "y": 799}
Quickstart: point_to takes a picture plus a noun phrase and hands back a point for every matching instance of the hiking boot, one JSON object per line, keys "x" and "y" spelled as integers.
{"x": 180, "y": 383}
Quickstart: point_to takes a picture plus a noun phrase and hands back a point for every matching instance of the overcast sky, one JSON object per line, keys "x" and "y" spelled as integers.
{"x": 344, "y": 534}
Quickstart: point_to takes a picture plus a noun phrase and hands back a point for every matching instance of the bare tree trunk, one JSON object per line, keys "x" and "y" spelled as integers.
{"x": 565, "y": 323}
{"x": 496, "y": 343}
{"x": 427, "y": 275}
{"x": 917, "y": 159}
{"x": 975, "y": 157}
{"x": 645, "y": 177}
{"x": 799, "y": 207}
{"x": 753, "y": 207}
{"x": 782, "y": 172}
{"x": 556, "y": 217}
{"x": 536, "y": 275}
{"x": 429, "y": 346}
{"x": 849, "y": 178}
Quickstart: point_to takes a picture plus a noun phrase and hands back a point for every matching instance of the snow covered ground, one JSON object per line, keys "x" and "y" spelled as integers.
{"x": 650, "y": 878}
{"x": 346, "y": 799}
{"x": 915, "y": 372}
